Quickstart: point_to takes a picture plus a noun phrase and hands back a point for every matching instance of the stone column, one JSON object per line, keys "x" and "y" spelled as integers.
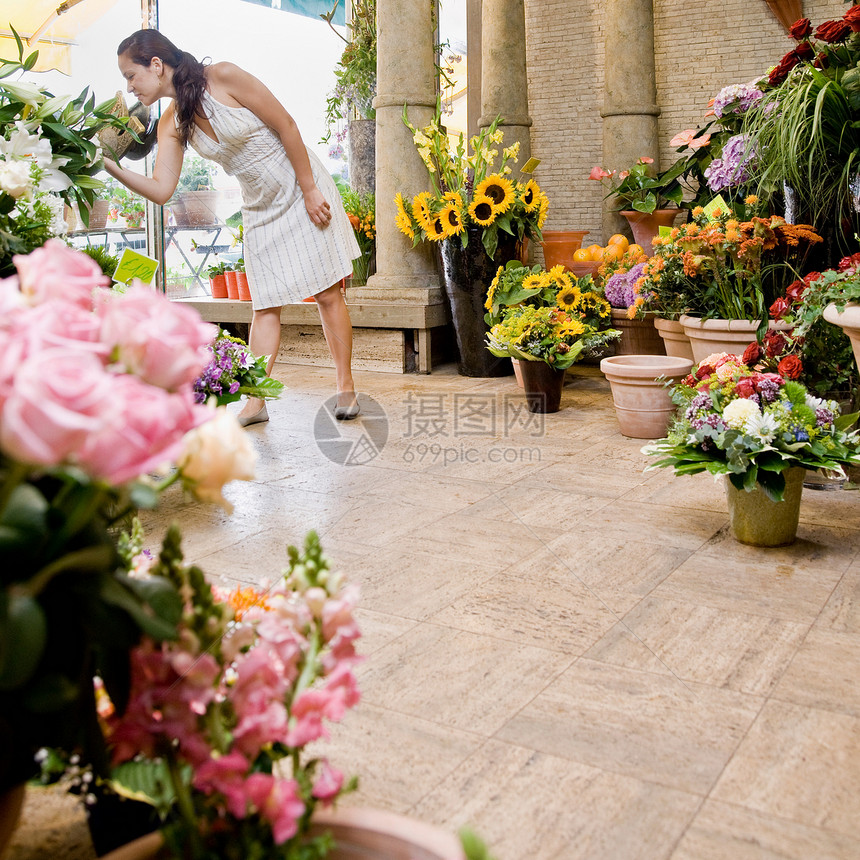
{"x": 630, "y": 107}
{"x": 504, "y": 85}
{"x": 405, "y": 75}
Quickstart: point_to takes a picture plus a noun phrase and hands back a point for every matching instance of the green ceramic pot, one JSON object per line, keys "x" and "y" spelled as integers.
{"x": 757, "y": 520}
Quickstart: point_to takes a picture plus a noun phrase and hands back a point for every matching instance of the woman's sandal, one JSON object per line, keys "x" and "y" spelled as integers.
{"x": 348, "y": 410}
{"x": 258, "y": 417}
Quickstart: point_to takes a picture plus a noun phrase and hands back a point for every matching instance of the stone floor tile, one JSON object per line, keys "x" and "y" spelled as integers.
{"x": 842, "y": 611}
{"x": 649, "y": 726}
{"x": 747, "y": 653}
{"x": 458, "y": 679}
{"x": 824, "y": 673}
{"x": 721, "y": 830}
{"x": 800, "y": 764}
{"x": 528, "y": 804}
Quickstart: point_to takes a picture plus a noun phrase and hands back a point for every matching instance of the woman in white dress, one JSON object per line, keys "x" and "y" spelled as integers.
{"x": 298, "y": 239}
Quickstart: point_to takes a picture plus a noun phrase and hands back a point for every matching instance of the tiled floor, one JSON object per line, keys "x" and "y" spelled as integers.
{"x": 566, "y": 653}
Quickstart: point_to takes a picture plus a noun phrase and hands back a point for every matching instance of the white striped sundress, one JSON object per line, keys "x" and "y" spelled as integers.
{"x": 287, "y": 257}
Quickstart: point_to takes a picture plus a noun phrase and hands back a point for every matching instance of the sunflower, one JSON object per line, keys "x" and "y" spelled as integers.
{"x": 494, "y": 285}
{"x": 543, "y": 209}
{"x": 482, "y": 210}
{"x": 530, "y": 196}
{"x": 533, "y": 282}
{"x": 421, "y": 211}
{"x": 403, "y": 220}
{"x": 436, "y": 231}
{"x": 568, "y": 298}
{"x": 452, "y": 220}
{"x": 499, "y": 189}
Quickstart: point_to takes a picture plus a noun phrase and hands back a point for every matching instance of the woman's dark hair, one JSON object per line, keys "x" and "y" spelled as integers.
{"x": 188, "y": 78}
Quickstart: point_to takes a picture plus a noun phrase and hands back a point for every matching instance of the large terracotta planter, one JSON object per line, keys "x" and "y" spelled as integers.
{"x": 675, "y": 340}
{"x": 757, "y": 520}
{"x": 467, "y": 273}
{"x": 732, "y": 336}
{"x": 638, "y": 382}
{"x": 358, "y": 834}
{"x": 646, "y": 226}
{"x": 848, "y": 320}
{"x": 195, "y": 209}
{"x": 559, "y": 246}
{"x": 638, "y": 336}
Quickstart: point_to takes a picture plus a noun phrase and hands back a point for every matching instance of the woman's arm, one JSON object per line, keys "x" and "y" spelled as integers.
{"x": 168, "y": 165}
{"x": 251, "y": 93}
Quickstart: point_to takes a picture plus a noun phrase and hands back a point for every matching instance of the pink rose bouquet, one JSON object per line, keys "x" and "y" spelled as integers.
{"x": 96, "y": 394}
{"x": 224, "y": 712}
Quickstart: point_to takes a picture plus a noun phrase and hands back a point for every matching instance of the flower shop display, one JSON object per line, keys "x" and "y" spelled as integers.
{"x": 127, "y": 205}
{"x": 546, "y": 338}
{"x": 639, "y": 394}
{"x": 95, "y": 398}
{"x": 48, "y": 157}
{"x": 361, "y": 211}
{"x": 479, "y": 217}
{"x": 638, "y": 335}
{"x": 760, "y": 430}
{"x": 233, "y": 371}
{"x": 804, "y": 133}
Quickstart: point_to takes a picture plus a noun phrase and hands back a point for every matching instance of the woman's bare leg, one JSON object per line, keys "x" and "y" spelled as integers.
{"x": 264, "y": 339}
{"x": 337, "y": 328}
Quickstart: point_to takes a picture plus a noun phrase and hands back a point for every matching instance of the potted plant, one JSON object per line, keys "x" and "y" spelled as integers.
{"x": 761, "y": 430}
{"x": 233, "y": 371}
{"x": 127, "y": 205}
{"x": 195, "y": 201}
{"x": 546, "y": 338}
{"x": 112, "y": 403}
{"x": 642, "y": 197}
{"x": 480, "y": 219}
{"x": 361, "y": 211}
{"x": 218, "y": 280}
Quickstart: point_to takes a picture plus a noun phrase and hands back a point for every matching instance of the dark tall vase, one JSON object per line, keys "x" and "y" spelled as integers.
{"x": 467, "y": 273}
{"x": 542, "y": 385}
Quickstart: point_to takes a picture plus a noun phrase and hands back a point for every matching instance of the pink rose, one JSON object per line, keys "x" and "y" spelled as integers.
{"x": 11, "y": 300}
{"x": 56, "y": 271}
{"x": 143, "y": 430}
{"x": 159, "y": 340}
{"x": 61, "y": 323}
{"x": 58, "y": 398}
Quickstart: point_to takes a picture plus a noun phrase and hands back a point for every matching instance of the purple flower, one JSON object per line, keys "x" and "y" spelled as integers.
{"x": 737, "y": 99}
{"x": 731, "y": 168}
{"x": 769, "y": 390}
{"x": 619, "y": 289}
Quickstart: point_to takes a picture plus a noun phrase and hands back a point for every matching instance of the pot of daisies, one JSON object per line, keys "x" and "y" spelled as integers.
{"x": 233, "y": 371}
{"x": 480, "y": 216}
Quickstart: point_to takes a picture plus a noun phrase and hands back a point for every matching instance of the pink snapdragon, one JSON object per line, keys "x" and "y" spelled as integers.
{"x": 328, "y": 783}
{"x": 277, "y": 800}
{"x": 226, "y": 775}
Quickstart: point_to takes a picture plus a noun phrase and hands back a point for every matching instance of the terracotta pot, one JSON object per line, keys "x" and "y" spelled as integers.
{"x": 518, "y": 374}
{"x": 99, "y": 212}
{"x": 755, "y": 519}
{"x": 675, "y": 339}
{"x": 638, "y": 382}
{"x": 646, "y": 226}
{"x": 11, "y": 802}
{"x": 218, "y": 286}
{"x": 542, "y": 385}
{"x": 242, "y": 287}
{"x": 358, "y": 833}
{"x": 196, "y": 209}
{"x": 849, "y": 321}
{"x": 559, "y": 246}
{"x": 733, "y": 336}
{"x": 232, "y": 285}
{"x": 638, "y": 336}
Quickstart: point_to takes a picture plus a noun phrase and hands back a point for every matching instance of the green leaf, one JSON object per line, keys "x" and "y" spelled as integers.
{"x": 115, "y": 592}
{"x": 147, "y": 781}
{"x": 23, "y": 642}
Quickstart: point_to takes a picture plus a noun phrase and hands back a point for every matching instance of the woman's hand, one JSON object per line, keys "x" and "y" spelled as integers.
{"x": 318, "y": 208}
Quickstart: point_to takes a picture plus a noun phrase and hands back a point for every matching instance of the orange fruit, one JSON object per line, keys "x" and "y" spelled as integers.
{"x": 595, "y": 253}
{"x": 581, "y": 255}
{"x": 637, "y": 250}
{"x": 619, "y": 239}
{"x": 612, "y": 253}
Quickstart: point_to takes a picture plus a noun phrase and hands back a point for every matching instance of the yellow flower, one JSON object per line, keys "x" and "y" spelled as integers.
{"x": 482, "y": 211}
{"x": 568, "y": 297}
{"x": 452, "y": 220}
{"x": 544, "y": 208}
{"x": 403, "y": 221}
{"x": 533, "y": 282}
{"x": 530, "y": 196}
{"x": 512, "y": 151}
{"x": 437, "y": 230}
{"x": 497, "y": 136}
{"x": 499, "y": 189}
{"x": 421, "y": 210}
{"x": 751, "y": 200}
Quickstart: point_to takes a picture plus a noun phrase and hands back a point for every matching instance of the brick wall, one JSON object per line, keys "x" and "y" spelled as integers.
{"x": 699, "y": 48}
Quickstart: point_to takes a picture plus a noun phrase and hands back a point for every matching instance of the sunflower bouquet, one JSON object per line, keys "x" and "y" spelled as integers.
{"x": 470, "y": 190}
{"x": 545, "y": 316}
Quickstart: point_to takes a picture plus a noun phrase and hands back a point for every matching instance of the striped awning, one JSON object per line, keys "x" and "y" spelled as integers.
{"x": 307, "y": 8}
